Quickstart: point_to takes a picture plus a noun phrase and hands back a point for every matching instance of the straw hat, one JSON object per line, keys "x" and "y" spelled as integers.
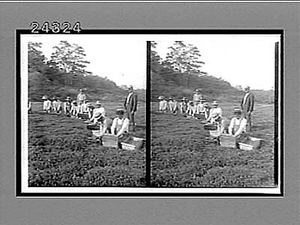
{"x": 215, "y": 103}
{"x": 44, "y": 97}
{"x": 237, "y": 111}
{"x": 98, "y": 103}
{"x": 120, "y": 111}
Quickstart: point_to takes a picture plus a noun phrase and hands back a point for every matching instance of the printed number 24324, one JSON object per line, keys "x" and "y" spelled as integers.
{"x": 55, "y": 27}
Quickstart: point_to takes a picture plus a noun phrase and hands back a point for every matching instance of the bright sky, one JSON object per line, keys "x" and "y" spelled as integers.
{"x": 120, "y": 58}
{"x": 246, "y": 60}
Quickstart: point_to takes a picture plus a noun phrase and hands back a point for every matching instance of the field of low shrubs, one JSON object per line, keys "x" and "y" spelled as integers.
{"x": 61, "y": 153}
{"x": 183, "y": 156}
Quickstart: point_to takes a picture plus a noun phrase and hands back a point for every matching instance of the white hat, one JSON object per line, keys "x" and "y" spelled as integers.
{"x": 237, "y": 110}
{"x": 215, "y": 103}
{"x": 98, "y": 103}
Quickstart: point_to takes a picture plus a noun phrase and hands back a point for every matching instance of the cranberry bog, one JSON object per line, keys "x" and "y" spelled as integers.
{"x": 62, "y": 153}
{"x": 183, "y": 156}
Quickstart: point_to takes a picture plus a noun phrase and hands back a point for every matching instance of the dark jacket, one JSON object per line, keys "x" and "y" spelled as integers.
{"x": 132, "y": 103}
{"x": 248, "y": 106}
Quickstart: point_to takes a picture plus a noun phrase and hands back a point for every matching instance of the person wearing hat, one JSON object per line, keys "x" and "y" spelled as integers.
{"x": 163, "y": 105}
{"x": 120, "y": 125}
{"x": 130, "y": 105}
{"x": 80, "y": 98}
{"x": 56, "y": 103}
{"x": 215, "y": 113}
{"x": 47, "y": 104}
{"x": 102, "y": 126}
{"x": 197, "y": 97}
{"x": 67, "y": 106}
{"x": 74, "y": 108}
{"x": 247, "y": 105}
{"x": 172, "y": 105}
{"x": 160, "y": 101}
{"x": 190, "y": 108}
{"x": 98, "y": 112}
{"x": 29, "y": 106}
{"x": 183, "y": 105}
{"x": 237, "y": 124}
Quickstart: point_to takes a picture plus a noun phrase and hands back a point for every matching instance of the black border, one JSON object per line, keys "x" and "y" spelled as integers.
{"x": 278, "y": 95}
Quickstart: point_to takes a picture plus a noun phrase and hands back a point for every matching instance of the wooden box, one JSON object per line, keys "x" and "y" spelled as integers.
{"x": 250, "y": 143}
{"x": 227, "y": 140}
{"x": 134, "y": 143}
{"x": 138, "y": 142}
{"x": 127, "y": 146}
{"x": 110, "y": 140}
{"x": 200, "y": 116}
{"x": 210, "y": 126}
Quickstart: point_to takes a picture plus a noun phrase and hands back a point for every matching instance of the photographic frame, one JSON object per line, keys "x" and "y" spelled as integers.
{"x": 150, "y": 191}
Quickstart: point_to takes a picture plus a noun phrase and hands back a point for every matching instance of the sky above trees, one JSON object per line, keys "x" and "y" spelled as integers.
{"x": 239, "y": 59}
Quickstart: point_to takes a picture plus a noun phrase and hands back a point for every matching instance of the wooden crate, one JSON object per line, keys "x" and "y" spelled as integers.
{"x": 210, "y": 126}
{"x": 138, "y": 142}
{"x": 110, "y": 140}
{"x": 127, "y": 146}
{"x": 200, "y": 116}
{"x": 250, "y": 143}
{"x": 243, "y": 146}
{"x": 227, "y": 140}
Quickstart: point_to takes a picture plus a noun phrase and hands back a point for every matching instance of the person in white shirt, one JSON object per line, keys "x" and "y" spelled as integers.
{"x": 67, "y": 106}
{"x": 237, "y": 124}
{"x": 215, "y": 113}
{"x": 173, "y": 106}
{"x": 47, "y": 104}
{"x": 190, "y": 108}
{"x": 120, "y": 125}
{"x": 97, "y": 112}
{"x": 199, "y": 108}
{"x": 161, "y": 104}
{"x": 183, "y": 105}
{"x": 164, "y": 105}
{"x": 74, "y": 109}
{"x": 102, "y": 126}
{"x": 29, "y": 106}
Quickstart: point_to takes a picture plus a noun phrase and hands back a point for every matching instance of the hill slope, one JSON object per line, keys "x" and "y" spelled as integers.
{"x": 169, "y": 83}
{"x": 63, "y": 85}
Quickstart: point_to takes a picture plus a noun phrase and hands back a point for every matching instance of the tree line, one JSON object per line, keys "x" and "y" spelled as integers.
{"x": 182, "y": 57}
{"x": 65, "y": 59}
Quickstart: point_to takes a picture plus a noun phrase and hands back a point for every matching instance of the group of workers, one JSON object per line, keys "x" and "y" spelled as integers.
{"x": 95, "y": 114}
{"x": 213, "y": 114}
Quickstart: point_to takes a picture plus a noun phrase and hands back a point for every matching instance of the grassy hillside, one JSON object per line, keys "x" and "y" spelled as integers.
{"x": 172, "y": 84}
{"x": 63, "y": 85}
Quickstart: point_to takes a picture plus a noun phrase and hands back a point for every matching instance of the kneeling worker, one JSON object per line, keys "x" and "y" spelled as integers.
{"x": 98, "y": 111}
{"x": 237, "y": 124}
{"x": 120, "y": 125}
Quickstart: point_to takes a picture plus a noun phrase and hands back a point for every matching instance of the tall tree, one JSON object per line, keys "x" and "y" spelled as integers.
{"x": 155, "y": 58}
{"x": 69, "y": 58}
{"x": 36, "y": 58}
{"x": 184, "y": 58}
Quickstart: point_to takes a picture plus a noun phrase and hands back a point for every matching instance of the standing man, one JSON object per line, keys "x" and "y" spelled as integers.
{"x": 196, "y": 99}
{"x": 247, "y": 106}
{"x": 81, "y": 97}
{"x": 130, "y": 105}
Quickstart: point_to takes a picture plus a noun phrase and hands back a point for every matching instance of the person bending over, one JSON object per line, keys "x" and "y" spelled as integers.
{"x": 120, "y": 125}
{"x": 215, "y": 113}
{"x": 237, "y": 124}
{"x": 98, "y": 111}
